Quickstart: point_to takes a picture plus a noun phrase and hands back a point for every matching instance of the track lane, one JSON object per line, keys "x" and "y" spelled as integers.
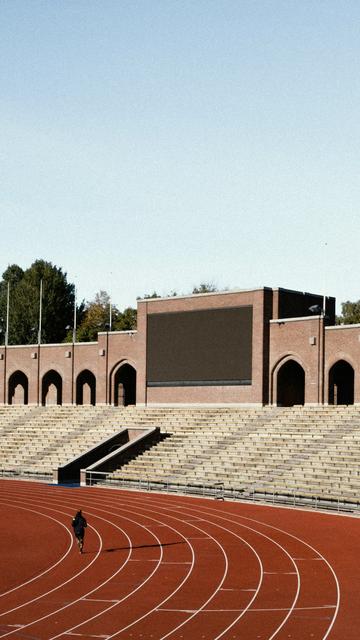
{"x": 304, "y": 613}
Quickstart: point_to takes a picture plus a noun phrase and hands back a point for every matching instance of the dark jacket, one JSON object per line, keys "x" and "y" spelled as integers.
{"x": 79, "y": 523}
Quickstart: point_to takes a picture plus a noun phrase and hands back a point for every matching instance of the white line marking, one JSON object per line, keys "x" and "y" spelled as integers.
{"x": 141, "y": 584}
{"x": 321, "y": 607}
{"x": 53, "y": 565}
{"x": 97, "y": 600}
{"x": 86, "y": 635}
{"x": 319, "y": 556}
{"x": 280, "y": 573}
{"x": 143, "y": 560}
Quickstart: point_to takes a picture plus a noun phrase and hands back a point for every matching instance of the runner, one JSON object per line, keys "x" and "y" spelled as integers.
{"x": 79, "y": 524}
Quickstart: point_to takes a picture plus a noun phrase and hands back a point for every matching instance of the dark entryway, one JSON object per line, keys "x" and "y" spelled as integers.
{"x": 86, "y": 388}
{"x": 125, "y": 386}
{"x": 51, "y": 390}
{"x": 341, "y": 383}
{"x": 290, "y": 384}
{"x": 18, "y": 388}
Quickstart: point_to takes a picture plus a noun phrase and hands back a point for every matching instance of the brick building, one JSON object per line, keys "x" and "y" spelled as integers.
{"x": 260, "y": 346}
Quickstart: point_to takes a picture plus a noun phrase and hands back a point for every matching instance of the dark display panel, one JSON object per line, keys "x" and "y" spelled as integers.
{"x": 207, "y": 347}
{"x": 294, "y": 304}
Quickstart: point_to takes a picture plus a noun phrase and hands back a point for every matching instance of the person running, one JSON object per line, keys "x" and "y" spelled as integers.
{"x": 79, "y": 525}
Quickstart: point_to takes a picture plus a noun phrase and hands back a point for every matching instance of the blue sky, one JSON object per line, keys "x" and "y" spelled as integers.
{"x": 153, "y": 145}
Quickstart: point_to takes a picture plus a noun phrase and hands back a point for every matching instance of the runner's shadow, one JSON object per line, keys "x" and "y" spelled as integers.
{"x": 143, "y": 546}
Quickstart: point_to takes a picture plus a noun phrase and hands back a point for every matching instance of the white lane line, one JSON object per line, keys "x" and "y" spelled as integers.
{"x": 67, "y": 581}
{"x": 46, "y": 593}
{"x": 122, "y": 508}
{"x": 228, "y": 610}
{"x": 134, "y": 590}
{"x": 145, "y": 581}
{"x": 42, "y": 573}
{"x": 99, "y": 600}
{"x": 280, "y": 573}
{"x": 86, "y": 635}
{"x": 271, "y": 540}
{"x": 147, "y": 508}
{"x": 257, "y": 532}
{"x": 169, "y": 562}
{"x": 306, "y": 544}
{"x": 143, "y": 560}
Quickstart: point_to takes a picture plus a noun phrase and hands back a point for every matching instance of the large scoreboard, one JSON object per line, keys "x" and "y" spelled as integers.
{"x": 202, "y": 347}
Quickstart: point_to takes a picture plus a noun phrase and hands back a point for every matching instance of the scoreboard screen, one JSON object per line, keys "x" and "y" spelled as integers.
{"x": 194, "y": 348}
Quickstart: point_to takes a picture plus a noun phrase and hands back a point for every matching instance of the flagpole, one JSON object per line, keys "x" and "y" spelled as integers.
{"x": 74, "y": 324}
{"x": 7, "y": 315}
{"x": 40, "y": 311}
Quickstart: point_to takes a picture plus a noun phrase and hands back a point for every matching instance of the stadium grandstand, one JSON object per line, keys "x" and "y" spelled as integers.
{"x": 245, "y": 394}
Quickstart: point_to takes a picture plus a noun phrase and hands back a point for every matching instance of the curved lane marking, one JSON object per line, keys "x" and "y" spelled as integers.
{"x": 39, "y": 575}
{"x": 214, "y": 593}
{"x": 309, "y": 546}
{"x": 247, "y": 608}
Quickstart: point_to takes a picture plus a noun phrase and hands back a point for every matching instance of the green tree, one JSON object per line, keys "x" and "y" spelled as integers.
{"x": 10, "y": 279}
{"x": 97, "y": 318}
{"x": 205, "y": 287}
{"x": 125, "y": 320}
{"x": 350, "y": 313}
{"x": 149, "y": 296}
{"x": 57, "y": 303}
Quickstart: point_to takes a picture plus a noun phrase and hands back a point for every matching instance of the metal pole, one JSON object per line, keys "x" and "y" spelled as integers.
{"x": 74, "y": 324}
{"x": 40, "y": 311}
{"x": 39, "y": 401}
{"x": 7, "y": 315}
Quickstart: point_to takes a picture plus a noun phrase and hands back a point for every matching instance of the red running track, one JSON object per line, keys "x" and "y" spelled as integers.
{"x": 158, "y": 566}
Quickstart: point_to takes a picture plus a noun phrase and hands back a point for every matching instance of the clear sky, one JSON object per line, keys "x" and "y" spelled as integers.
{"x": 157, "y": 144}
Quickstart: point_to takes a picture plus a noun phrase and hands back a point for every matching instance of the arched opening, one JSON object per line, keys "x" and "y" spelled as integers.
{"x": 290, "y": 384}
{"x": 51, "y": 389}
{"x": 125, "y": 386}
{"x": 86, "y": 388}
{"x": 18, "y": 388}
{"x": 341, "y": 383}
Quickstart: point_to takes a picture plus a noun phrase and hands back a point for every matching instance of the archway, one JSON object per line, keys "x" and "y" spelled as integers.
{"x": 290, "y": 384}
{"x": 18, "y": 388}
{"x": 125, "y": 385}
{"x": 86, "y": 388}
{"x": 341, "y": 383}
{"x": 51, "y": 389}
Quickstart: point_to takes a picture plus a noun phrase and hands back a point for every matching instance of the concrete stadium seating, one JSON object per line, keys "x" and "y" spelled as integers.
{"x": 309, "y": 450}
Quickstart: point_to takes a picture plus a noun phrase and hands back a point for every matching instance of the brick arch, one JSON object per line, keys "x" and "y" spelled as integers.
{"x": 123, "y": 384}
{"x": 18, "y": 388}
{"x": 86, "y": 383}
{"x": 341, "y": 382}
{"x": 51, "y": 382}
{"x": 288, "y": 378}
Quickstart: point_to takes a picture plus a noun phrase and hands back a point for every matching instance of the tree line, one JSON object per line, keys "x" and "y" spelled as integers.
{"x": 20, "y": 308}
{"x": 38, "y": 304}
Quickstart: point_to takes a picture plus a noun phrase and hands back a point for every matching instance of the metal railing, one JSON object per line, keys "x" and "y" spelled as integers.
{"x": 219, "y": 491}
{"x": 21, "y": 474}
